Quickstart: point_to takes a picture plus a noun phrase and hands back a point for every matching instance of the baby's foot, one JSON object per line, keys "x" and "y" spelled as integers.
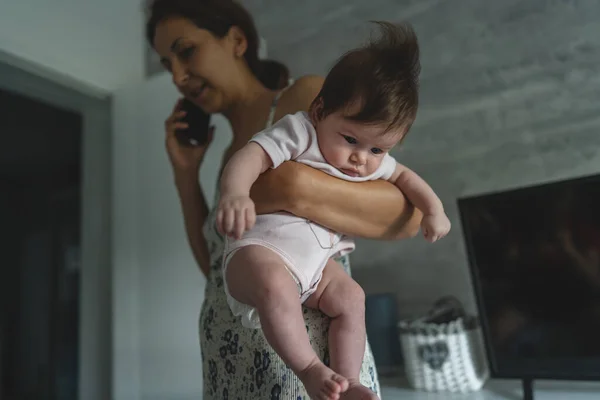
{"x": 322, "y": 383}
{"x": 356, "y": 391}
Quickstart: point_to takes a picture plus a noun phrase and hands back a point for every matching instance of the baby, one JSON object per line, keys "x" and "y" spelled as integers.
{"x": 274, "y": 263}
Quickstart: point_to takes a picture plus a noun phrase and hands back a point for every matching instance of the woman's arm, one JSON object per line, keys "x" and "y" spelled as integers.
{"x": 375, "y": 210}
{"x": 195, "y": 211}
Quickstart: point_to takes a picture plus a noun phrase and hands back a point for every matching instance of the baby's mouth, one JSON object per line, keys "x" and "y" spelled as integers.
{"x": 350, "y": 172}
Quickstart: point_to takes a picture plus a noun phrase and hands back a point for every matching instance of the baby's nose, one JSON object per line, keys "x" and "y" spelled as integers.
{"x": 359, "y": 158}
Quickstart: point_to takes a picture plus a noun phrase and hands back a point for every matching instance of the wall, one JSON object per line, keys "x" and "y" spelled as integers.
{"x": 509, "y": 97}
{"x": 157, "y": 288}
{"x": 98, "y": 43}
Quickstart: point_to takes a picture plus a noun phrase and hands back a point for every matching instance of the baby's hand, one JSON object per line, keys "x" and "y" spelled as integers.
{"x": 435, "y": 226}
{"x": 235, "y": 215}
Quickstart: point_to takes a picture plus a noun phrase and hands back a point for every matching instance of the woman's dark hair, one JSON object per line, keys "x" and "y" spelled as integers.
{"x": 218, "y": 16}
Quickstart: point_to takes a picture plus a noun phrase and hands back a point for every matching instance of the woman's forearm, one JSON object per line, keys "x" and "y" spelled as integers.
{"x": 375, "y": 210}
{"x": 195, "y": 211}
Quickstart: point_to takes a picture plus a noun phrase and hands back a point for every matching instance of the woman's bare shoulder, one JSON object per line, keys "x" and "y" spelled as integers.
{"x": 300, "y": 95}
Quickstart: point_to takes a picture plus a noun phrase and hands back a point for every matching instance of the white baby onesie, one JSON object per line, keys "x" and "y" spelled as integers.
{"x": 304, "y": 246}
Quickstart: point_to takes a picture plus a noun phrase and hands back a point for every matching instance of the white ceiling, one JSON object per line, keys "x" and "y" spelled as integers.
{"x": 96, "y": 42}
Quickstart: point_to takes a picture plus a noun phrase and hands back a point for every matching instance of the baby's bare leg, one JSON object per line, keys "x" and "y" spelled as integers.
{"x": 257, "y": 276}
{"x": 341, "y": 298}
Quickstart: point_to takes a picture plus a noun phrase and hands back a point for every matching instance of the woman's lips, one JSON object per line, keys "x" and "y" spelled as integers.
{"x": 199, "y": 95}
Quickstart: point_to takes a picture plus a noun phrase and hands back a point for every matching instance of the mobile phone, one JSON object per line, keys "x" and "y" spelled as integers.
{"x": 196, "y": 134}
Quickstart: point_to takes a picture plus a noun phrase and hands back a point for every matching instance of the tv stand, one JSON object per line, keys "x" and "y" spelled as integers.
{"x": 527, "y": 389}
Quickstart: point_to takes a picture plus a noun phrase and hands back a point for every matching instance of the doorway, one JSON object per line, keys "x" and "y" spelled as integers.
{"x": 40, "y": 182}
{"x": 67, "y": 222}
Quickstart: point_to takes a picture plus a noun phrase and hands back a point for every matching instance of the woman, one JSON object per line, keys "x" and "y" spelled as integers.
{"x": 211, "y": 49}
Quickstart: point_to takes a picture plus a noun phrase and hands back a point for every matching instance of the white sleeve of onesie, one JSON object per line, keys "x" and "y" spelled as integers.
{"x": 285, "y": 140}
{"x": 387, "y": 167}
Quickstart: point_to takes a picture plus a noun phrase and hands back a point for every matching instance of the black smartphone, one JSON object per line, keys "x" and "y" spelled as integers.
{"x": 198, "y": 122}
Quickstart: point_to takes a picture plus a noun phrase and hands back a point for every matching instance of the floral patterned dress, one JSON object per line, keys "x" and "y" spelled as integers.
{"x": 238, "y": 363}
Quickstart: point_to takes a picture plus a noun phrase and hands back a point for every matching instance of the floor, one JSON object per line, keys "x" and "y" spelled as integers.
{"x": 396, "y": 388}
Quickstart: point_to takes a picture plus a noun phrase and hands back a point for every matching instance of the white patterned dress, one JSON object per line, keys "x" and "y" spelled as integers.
{"x": 238, "y": 363}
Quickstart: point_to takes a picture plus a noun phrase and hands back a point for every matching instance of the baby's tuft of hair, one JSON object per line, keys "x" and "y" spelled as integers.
{"x": 379, "y": 81}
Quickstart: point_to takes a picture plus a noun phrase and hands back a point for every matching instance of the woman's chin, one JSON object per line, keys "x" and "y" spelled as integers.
{"x": 210, "y": 107}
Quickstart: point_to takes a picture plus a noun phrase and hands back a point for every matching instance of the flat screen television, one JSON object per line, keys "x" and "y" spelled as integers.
{"x": 534, "y": 256}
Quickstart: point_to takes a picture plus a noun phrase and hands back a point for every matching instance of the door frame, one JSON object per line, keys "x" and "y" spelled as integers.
{"x": 94, "y": 105}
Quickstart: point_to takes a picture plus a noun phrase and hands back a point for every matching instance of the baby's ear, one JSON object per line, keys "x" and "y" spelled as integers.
{"x": 315, "y": 109}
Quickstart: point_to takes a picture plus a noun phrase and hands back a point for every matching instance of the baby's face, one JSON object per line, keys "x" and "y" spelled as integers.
{"x": 354, "y": 148}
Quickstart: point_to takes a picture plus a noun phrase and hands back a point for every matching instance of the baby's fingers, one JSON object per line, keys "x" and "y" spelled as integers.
{"x": 250, "y": 218}
{"x": 426, "y": 234}
{"x": 240, "y": 223}
{"x": 228, "y": 221}
{"x": 219, "y": 221}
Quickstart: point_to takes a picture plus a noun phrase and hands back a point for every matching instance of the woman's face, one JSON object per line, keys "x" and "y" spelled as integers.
{"x": 204, "y": 67}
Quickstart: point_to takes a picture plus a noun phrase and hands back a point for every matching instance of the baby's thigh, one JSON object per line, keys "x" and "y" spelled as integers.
{"x": 255, "y": 274}
{"x": 337, "y": 292}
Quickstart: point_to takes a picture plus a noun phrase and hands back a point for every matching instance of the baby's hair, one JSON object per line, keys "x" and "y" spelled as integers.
{"x": 381, "y": 76}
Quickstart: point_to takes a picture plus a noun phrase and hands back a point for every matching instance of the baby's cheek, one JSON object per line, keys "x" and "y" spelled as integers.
{"x": 372, "y": 165}
{"x": 336, "y": 156}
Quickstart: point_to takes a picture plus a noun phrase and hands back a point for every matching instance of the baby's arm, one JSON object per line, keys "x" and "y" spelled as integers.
{"x": 236, "y": 213}
{"x": 419, "y": 193}
{"x": 243, "y": 169}
{"x": 435, "y": 223}
{"x": 268, "y": 149}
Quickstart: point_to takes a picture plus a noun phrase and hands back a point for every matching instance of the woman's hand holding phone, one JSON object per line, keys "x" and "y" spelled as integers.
{"x": 184, "y": 157}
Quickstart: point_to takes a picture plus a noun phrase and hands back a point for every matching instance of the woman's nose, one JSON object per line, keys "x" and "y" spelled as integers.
{"x": 180, "y": 75}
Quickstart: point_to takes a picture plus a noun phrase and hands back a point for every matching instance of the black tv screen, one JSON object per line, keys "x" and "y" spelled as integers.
{"x": 534, "y": 256}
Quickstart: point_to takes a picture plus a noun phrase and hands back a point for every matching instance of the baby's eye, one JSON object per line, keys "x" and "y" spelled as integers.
{"x": 350, "y": 139}
{"x": 375, "y": 150}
